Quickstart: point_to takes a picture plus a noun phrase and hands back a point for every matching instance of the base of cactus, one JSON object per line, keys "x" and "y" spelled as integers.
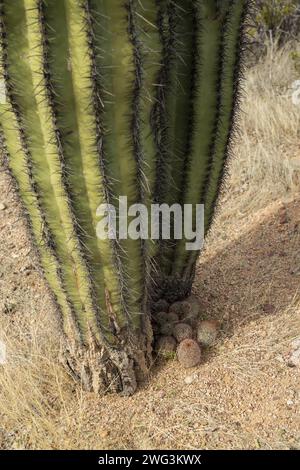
{"x": 103, "y": 369}
{"x": 173, "y": 288}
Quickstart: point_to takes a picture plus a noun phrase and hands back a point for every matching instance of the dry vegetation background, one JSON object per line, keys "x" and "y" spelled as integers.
{"x": 244, "y": 395}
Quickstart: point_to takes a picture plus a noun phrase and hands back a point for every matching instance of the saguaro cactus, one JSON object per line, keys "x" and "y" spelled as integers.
{"x": 110, "y": 98}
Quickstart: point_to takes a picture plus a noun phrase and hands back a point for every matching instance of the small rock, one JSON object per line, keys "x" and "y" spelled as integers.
{"x": 190, "y": 379}
{"x": 295, "y": 271}
{"x": 182, "y": 331}
{"x": 268, "y": 308}
{"x": 27, "y": 268}
{"x": 104, "y": 433}
{"x": 2, "y": 353}
{"x": 296, "y": 344}
{"x": 9, "y": 308}
{"x": 207, "y": 332}
{"x": 2, "y": 206}
{"x": 189, "y": 353}
{"x": 294, "y": 359}
{"x": 279, "y": 358}
{"x": 283, "y": 217}
{"x": 210, "y": 429}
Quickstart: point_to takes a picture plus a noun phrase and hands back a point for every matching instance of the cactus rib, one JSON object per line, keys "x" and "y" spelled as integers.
{"x": 14, "y": 142}
{"x": 52, "y": 152}
{"x": 115, "y": 50}
{"x": 228, "y": 100}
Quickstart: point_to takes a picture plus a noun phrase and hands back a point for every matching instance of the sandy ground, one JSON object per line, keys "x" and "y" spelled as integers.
{"x": 243, "y": 395}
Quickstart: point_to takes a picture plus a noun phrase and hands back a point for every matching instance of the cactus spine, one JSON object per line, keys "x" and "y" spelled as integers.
{"x": 107, "y": 99}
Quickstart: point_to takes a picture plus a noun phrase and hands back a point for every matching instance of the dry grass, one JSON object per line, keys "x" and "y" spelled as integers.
{"x": 266, "y": 159}
{"x": 244, "y": 395}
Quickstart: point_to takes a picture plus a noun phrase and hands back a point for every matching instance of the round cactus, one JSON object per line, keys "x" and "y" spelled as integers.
{"x": 166, "y": 317}
{"x": 165, "y": 345}
{"x": 160, "y": 306}
{"x": 166, "y": 329}
{"x": 192, "y": 313}
{"x": 189, "y": 353}
{"x": 207, "y": 332}
{"x": 182, "y": 331}
{"x": 166, "y": 322}
{"x": 180, "y": 308}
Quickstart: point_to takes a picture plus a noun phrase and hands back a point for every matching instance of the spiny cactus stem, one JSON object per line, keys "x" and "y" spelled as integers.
{"x": 114, "y": 258}
{"x": 21, "y": 168}
{"x": 228, "y": 102}
{"x": 149, "y": 48}
{"x": 45, "y": 109}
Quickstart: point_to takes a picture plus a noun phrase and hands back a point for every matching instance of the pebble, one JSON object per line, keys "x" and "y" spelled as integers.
{"x": 2, "y": 353}
{"x": 190, "y": 379}
{"x": 294, "y": 356}
{"x": 2, "y": 206}
{"x": 283, "y": 218}
{"x": 268, "y": 308}
{"x": 210, "y": 429}
{"x": 296, "y": 343}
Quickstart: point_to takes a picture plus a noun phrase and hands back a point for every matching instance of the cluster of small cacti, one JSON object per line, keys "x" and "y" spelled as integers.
{"x": 179, "y": 330}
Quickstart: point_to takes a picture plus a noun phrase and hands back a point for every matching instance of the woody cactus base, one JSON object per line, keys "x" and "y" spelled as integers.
{"x": 110, "y": 98}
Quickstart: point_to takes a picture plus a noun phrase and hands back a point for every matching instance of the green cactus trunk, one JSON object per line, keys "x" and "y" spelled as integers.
{"x": 111, "y": 98}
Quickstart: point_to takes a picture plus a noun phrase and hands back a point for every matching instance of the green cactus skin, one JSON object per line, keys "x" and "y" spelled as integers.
{"x": 105, "y": 99}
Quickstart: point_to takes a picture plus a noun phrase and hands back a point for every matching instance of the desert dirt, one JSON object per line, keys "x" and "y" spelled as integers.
{"x": 243, "y": 395}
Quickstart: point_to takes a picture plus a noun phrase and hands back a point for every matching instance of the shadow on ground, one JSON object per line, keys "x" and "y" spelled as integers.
{"x": 257, "y": 275}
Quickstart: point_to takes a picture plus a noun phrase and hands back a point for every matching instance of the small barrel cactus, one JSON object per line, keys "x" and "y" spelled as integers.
{"x": 165, "y": 345}
{"x": 182, "y": 331}
{"x": 189, "y": 353}
{"x": 207, "y": 332}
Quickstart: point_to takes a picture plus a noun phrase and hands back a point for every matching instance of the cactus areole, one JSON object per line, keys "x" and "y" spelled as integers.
{"x": 105, "y": 99}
